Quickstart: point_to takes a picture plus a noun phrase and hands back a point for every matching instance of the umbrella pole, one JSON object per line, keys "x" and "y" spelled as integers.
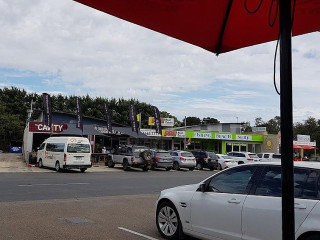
{"x": 288, "y": 228}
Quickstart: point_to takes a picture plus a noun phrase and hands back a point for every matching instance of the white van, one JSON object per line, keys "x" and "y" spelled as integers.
{"x": 65, "y": 153}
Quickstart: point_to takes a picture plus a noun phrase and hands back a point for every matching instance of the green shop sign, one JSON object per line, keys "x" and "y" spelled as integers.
{"x": 225, "y": 136}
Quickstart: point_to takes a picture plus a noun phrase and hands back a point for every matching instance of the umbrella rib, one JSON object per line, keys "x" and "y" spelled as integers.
{"x": 226, "y": 17}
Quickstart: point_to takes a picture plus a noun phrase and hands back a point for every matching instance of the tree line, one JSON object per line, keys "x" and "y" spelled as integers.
{"x": 14, "y": 104}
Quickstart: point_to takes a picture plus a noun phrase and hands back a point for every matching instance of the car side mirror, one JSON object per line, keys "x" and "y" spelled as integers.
{"x": 202, "y": 187}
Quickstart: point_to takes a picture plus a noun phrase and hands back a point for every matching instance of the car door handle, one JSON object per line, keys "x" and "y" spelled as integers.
{"x": 300, "y": 206}
{"x": 233, "y": 200}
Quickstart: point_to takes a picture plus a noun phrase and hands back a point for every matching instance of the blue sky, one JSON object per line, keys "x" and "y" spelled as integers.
{"x": 63, "y": 47}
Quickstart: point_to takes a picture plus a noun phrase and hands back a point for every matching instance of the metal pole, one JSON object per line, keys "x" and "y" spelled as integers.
{"x": 288, "y": 221}
{"x": 185, "y": 132}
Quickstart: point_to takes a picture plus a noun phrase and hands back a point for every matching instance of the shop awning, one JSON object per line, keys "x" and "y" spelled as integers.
{"x": 87, "y": 130}
{"x": 129, "y": 132}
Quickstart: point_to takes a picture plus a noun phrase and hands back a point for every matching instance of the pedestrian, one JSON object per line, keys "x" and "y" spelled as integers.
{"x": 104, "y": 150}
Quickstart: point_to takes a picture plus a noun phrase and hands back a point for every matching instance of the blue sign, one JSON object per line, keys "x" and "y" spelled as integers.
{"x": 14, "y": 149}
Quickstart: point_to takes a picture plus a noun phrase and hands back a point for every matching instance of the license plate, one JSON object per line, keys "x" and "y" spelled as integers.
{"x": 79, "y": 158}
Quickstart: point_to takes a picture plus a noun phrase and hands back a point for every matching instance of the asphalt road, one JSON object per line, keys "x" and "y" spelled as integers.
{"x": 57, "y": 185}
{"x": 73, "y": 206}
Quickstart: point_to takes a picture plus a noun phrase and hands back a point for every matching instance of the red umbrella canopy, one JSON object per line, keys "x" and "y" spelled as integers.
{"x": 215, "y": 25}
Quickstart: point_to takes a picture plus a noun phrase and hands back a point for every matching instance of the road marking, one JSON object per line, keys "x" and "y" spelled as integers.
{"x": 136, "y": 233}
{"x": 50, "y": 184}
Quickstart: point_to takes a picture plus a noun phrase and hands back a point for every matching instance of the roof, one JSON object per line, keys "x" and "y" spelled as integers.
{"x": 128, "y": 131}
{"x": 87, "y": 130}
{"x": 314, "y": 165}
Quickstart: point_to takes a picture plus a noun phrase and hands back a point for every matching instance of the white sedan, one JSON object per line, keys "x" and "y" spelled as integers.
{"x": 226, "y": 161}
{"x": 242, "y": 202}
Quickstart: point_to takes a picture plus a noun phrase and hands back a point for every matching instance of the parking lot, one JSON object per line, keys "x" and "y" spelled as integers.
{"x": 102, "y": 203}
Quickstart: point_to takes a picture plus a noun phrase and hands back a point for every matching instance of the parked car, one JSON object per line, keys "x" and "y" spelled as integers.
{"x": 269, "y": 157}
{"x": 244, "y": 157}
{"x": 314, "y": 159}
{"x": 225, "y": 161}
{"x": 205, "y": 160}
{"x": 229, "y": 204}
{"x": 183, "y": 159}
{"x": 161, "y": 159}
{"x": 131, "y": 156}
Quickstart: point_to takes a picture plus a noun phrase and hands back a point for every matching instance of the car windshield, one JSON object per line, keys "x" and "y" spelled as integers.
{"x": 211, "y": 155}
{"x": 78, "y": 148}
{"x": 187, "y": 154}
{"x": 253, "y": 155}
{"x": 163, "y": 154}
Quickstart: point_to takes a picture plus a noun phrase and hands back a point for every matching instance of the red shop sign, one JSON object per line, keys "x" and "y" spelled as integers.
{"x": 42, "y": 127}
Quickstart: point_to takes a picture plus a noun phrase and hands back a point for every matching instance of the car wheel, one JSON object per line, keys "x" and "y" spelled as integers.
{"x": 145, "y": 168}
{"x": 40, "y": 164}
{"x": 168, "y": 221}
{"x": 211, "y": 168}
{"x": 176, "y": 166}
{"x": 219, "y": 167}
{"x": 110, "y": 163}
{"x": 83, "y": 170}
{"x": 199, "y": 166}
{"x": 125, "y": 165}
{"x": 57, "y": 166}
{"x": 191, "y": 169}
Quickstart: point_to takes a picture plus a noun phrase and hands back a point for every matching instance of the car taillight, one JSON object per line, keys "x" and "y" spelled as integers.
{"x": 182, "y": 159}
{"x": 250, "y": 159}
{"x": 194, "y": 159}
{"x": 171, "y": 159}
{"x": 157, "y": 158}
{"x": 206, "y": 159}
{"x": 65, "y": 157}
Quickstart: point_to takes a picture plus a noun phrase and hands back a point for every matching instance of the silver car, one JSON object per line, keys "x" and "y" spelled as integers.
{"x": 183, "y": 159}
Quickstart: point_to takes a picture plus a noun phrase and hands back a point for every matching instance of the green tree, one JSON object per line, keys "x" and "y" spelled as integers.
{"x": 190, "y": 121}
{"x": 210, "y": 120}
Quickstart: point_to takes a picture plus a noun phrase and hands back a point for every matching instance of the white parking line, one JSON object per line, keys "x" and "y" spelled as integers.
{"x": 136, "y": 233}
{"x": 50, "y": 184}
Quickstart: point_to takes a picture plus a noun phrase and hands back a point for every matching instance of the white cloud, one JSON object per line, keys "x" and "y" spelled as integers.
{"x": 82, "y": 51}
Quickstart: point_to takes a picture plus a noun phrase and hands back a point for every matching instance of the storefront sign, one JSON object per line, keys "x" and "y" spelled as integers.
{"x": 165, "y": 122}
{"x": 259, "y": 129}
{"x": 303, "y": 138}
{"x": 167, "y": 133}
{"x": 244, "y": 137}
{"x": 42, "y": 127}
{"x": 181, "y": 134}
{"x": 150, "y": 132}
{"x": 223, "y": 136}
{"x": 202, "y": 135}
{"x": 312, "y": 144}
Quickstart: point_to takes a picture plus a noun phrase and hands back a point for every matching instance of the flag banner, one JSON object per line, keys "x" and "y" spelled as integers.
{"x": 108, "y": 117}
{"x": 79, "y": 114}
{"x": 133, "y": 118}
{"x": 47, "y": 114}
{"x": 157, "y": 120}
